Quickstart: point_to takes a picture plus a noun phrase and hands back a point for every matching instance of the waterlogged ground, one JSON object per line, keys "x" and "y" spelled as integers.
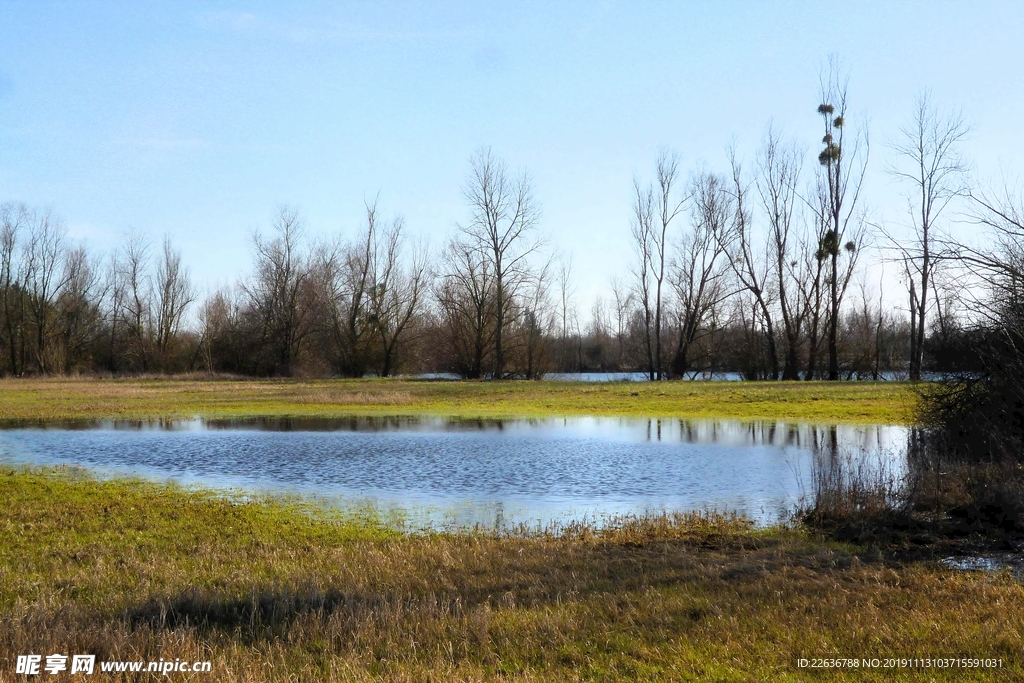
{"x": 441, "y": 472}
{"x": 272, "y": 590}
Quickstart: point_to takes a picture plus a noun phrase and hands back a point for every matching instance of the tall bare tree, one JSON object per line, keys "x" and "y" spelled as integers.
{"x": 14, "y": 219}
{"x": 930, "y": 163}
{"x": 843, "y": 162}
{"x": 813, "y": 260}
{"x": 641, "y": 226}
{"x": 346, "y": 274}
{"x": 45, "y": 280}
{"x": 135, "y": 296}
{"x": 777, "y": 178}
{"x": 278, "y": 291}
{"x": 654, "y": 210}
{"x": 503, "y": 221}
{"x": 622, "y": 300}
{"x": 699, "y": 270}
{"x": 174, "y": 293}
{"x": 748, "y": 263}
{"x": 79, "y": 311}
{"x": 396, "y": 294}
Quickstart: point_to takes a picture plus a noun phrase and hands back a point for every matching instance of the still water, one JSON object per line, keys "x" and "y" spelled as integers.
{"x": 437, "y": 472}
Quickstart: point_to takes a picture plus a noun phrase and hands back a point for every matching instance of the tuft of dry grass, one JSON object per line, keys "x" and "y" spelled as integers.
{"x": 275, "y": 590}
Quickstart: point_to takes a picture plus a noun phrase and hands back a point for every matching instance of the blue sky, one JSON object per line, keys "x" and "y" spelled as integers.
{"x": 198, "y": 119}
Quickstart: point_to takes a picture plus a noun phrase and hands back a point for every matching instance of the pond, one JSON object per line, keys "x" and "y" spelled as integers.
{"x": 440, "y": 472}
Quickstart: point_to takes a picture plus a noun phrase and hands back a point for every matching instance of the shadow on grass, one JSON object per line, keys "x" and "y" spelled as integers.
{"x": 539, "y": 580}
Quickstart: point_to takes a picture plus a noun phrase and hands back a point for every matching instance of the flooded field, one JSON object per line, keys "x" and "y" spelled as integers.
{"x": 437, "y": 472}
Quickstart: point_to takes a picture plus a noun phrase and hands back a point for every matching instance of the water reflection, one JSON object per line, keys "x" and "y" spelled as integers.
{"x": 444, "y": 471}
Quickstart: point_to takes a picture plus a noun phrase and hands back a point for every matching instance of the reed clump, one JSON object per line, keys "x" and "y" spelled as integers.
{"x": 963, "y": 481}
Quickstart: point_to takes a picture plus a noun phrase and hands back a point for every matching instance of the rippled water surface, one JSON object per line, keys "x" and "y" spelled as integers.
{"x": 463, "y": 472}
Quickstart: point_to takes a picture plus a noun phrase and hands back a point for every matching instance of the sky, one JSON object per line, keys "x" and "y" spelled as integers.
{"x": 198, "y": 120}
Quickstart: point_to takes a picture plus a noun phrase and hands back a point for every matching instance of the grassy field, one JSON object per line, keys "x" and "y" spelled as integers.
{"x": 43, "y": 399}
{"x": 277, "y": 591}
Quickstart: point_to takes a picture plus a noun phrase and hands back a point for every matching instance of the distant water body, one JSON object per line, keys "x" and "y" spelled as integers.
{"x": 438, "y": 472}
{"x": 644, "y": 377}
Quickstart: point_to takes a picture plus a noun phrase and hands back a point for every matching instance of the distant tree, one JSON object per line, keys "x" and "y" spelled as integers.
{"x": 79, "y": 316}
{"x": 346, "y": 275}
{"x": 698, "y": 272}
{"x": 536, "y": 322}
{"x": 215, "y": 323}
{"x": 654, "y": 209}
{"x": 569, "y": 322}
{"x": 465, "y": 295}
{"x": 929, "y": 161}
{"x": 748, "y": 263}
{"x": 174, "y": 294}
{"x": 45, "y": 281}
{"x": 14, "y": 219}
{"x": 843, "y": 162}
{"x": 642, "y": 231}
{"x": 396, "y": 293}
{"x": 622, "y": 301}
{"x": 278, "y": 292}
{"x": 135, "y": 298}
{"x": 502, "y": 228}
{"x": 777, "y": 178}
{"x": 813, "y": 260}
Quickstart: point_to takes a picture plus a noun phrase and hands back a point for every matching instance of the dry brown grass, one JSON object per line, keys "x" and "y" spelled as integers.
{"x": 270, "y": 591}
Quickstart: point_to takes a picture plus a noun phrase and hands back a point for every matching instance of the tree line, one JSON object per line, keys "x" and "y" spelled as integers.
{"x": 758, "y": 269}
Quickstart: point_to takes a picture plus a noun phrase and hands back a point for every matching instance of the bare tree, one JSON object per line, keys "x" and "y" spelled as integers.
{"x": 136, "y": 300}
{"x": 567, "y": 312}
{"x": 750, "y": 268}
{"x": 502, "y": 225}
{"x": 699, "y": 270}
{"x": 278, "y": 291}
{"x": 622, "y": 299}
{"x": 45, "y": 280}
{"x": 929, "y": 161}
{"x": 112, "y": 306}
{"x": 174, "y": 293}
{"x": 566, "y": 292}
{"x": 813, "y": 260}
{"x": 396, "y": 293}
{"x": 654, "y": 210}
{"x": 537, "y": 322}
{"x": 14, "y": 218}
{"x": 215, "y": 318}
{"x": 777, "y": 178}
{"x": 465, "y": 295}
{"x": 79, "y": 312}
{"x": 843, "y": 163}
{"x": 997, "y": 266}
{"x": 346, "y": 277}
{"x": 642, "y": 230}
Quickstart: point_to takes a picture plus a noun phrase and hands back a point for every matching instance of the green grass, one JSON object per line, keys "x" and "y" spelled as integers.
{"x": 275, "y": 590}
{"x": 844, "y": 402}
